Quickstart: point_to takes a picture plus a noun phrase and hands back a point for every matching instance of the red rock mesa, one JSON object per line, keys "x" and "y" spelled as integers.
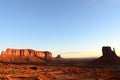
{"x": 23, "y": 55}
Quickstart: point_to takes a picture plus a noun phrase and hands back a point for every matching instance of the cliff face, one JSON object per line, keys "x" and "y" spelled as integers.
{"x": 26, "y": 52}
{"x": 24, "y": 55}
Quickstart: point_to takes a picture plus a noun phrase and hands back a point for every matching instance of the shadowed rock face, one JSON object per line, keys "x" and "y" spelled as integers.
{"x": 108, "y": 56}
{"x": 107, "y": 52}
{"x": 24, "y": 55}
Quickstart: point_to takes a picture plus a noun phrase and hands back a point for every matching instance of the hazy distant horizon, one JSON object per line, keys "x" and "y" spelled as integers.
{"x": 60, "y": 25}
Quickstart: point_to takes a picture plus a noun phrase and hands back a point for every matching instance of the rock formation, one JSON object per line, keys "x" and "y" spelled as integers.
{"x": 107, "y": 52}
{"x": 24, "y": 55}
{"x": 59, "y": 57}
{"x": 108, "y": 56}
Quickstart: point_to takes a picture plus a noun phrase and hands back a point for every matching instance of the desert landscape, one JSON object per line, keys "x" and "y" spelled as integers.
{"x": 28, "y": 64}
{"x": 59, "y": 39}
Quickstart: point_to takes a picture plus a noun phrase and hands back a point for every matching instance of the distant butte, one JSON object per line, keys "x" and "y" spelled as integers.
{"x": 108, "y": 56}
{"x": 59, "y": 57}
{"x": 24, "y": 55}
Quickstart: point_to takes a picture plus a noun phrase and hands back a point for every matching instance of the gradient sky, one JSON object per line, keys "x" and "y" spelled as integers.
{"x": 75, "y": 28}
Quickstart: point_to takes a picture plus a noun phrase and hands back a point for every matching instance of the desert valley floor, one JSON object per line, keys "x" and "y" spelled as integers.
{"x": 65, "y": 69}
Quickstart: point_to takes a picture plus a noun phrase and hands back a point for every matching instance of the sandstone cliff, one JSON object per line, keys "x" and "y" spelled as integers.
{"x": 24, "y": 55}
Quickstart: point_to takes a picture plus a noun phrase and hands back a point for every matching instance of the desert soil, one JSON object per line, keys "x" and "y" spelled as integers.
{"x": 58, "y": 70}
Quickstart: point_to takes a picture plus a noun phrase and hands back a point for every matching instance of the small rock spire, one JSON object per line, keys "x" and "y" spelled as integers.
{"x": 113, "y": 49}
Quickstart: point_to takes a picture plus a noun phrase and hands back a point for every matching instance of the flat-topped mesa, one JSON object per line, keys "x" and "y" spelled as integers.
{"x": 107, "y": 52}
{"x": 26, "y": 52}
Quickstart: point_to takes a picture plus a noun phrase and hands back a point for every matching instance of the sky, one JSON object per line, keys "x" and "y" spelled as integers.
{"x": 72, "y": 28}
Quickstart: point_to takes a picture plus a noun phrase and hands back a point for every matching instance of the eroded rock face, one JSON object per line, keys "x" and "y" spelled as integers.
{"x": 24, "y": 55}
{"x": 26, "y": 52}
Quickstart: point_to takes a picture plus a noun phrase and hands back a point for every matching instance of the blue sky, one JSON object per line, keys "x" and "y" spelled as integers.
{"x": 60, "y": 26}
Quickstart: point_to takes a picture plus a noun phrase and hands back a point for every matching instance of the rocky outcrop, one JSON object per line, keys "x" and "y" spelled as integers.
{"x": 59, "y": 57}
{"x": 108, "y": 56}
{"x": 24, "y": 55}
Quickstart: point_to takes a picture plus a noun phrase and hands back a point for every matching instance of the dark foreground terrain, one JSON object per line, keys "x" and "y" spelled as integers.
{"x": 63, "y": 69}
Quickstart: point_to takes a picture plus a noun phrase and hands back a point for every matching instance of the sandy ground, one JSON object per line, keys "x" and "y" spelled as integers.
{"x": 67, "y": 69}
